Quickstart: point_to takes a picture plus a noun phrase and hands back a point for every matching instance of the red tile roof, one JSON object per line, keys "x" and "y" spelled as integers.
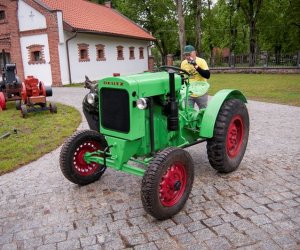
{"x": 86, "y": 16}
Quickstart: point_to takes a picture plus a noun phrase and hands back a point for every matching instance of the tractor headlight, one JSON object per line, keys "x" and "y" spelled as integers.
{"x": 142, "y": 103}
{"x": 91, "y": 98}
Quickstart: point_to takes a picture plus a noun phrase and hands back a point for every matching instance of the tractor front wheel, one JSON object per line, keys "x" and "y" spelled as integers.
{"x": 18, "y": 104}
{"x": 228, "y": 145}
{"x": 72, "y": 163}
{"x": 167, "y": 183}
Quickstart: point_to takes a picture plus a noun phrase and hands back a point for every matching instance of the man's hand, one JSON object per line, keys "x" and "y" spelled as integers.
{"x": 191, "y": 61}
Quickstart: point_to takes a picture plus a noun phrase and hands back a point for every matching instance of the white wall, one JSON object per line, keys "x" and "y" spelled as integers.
{"x": 96, "y": 70}
{"x": 62, "y": 51}
{"x": 60, "y": 27}
{"x": 40, "y": 71}
{"x": 29, "y": 18}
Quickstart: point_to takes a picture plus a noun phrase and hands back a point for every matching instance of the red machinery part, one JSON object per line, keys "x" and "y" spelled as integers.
{"x": 24, "y": 93}
{"x": 42, "y": 88}
{"x": 32, "y": 86}
{"x": 2, "y": 101}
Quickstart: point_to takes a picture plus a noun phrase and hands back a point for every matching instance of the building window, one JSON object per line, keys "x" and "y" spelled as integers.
{"x": 131, "y": 53}
{"x": 83, "y": 52}
{"x": 100, "y": 52}
{"x": 36, "y": 54}
{"x": 120, "y": 53}
{"x": 141, "y": 52}
{"x": 2, "y": 14}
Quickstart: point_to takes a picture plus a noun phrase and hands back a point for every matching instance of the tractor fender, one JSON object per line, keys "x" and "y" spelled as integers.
{"x": 212, "y": 110}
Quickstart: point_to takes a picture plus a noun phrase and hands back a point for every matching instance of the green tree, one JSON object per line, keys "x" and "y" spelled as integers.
{"x": 244, "y": 26}
{"x": 158, "y": 17}
{"x": 279, "y": 27}
{"x": 251, "y": 10}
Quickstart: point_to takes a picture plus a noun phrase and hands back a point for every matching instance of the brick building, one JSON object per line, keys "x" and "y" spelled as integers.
{"x": 61, "y": 41}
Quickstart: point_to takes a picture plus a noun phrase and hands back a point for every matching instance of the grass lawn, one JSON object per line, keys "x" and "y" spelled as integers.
{"x": 274, "y": 88}
{"x": 36, "y": 135}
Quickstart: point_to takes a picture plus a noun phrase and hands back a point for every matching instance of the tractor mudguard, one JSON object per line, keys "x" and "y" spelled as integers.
{"x": 212, "y": 110}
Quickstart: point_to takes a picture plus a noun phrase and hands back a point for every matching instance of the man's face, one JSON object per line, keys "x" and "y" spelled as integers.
{"x": 190, "y": 56}
{"x": 193, "y": 55}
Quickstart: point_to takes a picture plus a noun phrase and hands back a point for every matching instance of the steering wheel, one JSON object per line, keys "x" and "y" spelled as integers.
{"x": 177, "y": 70}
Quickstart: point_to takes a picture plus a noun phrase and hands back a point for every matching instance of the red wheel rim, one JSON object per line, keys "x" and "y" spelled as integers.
{"x": 235, "y": 136}
{"x": 2, "y": 101}
{"x": 172, "y": 185}
{"x": 80, "y": 165}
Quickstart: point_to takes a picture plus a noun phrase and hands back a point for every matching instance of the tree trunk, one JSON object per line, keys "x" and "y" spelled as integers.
{"x": 233, "y": 32}
{"x": 252, "y": 44}
{"x": 277, "y": 54}
{"x": 198, "y": 5}
{"x": 162, "y": 50}
{"x": 210, "y": 43}
{"x": 181, "y": 28}
{"x": 251, "y": 9}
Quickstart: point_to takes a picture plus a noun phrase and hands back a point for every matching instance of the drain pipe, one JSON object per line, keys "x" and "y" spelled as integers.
{"x": 68, "y": 56}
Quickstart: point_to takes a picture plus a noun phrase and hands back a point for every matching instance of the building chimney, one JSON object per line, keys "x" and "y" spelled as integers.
{"x": 107, "y": 4}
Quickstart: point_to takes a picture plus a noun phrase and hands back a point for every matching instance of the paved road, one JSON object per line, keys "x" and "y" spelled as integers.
{"x": 256, "y": 207}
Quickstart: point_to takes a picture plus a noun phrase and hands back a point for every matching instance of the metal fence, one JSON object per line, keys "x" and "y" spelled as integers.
{"x": 263, "y": 59}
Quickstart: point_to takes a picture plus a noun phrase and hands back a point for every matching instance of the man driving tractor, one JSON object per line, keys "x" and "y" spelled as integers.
{"x": 199, "y": 71}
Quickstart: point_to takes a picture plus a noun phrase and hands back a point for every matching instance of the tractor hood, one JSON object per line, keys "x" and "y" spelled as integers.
{"x": 142, "y": 85}
{"x": 118, "y": 112}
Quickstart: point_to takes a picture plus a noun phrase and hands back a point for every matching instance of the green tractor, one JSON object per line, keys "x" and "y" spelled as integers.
{"x": 140, "y": 125}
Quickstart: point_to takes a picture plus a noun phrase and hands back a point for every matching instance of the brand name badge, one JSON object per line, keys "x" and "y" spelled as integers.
{"x": 113, "y": 83}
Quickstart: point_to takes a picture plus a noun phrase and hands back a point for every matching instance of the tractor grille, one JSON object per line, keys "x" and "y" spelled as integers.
{"x": 115, "y": 109}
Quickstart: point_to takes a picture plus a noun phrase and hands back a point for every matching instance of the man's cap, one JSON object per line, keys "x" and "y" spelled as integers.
{"x": 188, "y": 49}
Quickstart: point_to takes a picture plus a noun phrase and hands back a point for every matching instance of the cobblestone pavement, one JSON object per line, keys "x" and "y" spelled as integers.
{"x": 255, "y": 207}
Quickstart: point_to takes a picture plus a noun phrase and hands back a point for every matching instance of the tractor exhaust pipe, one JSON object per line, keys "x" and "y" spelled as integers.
{"x": 4, "y": 63}
{"x": 4, "y": 57}
{"x": 173, "y": 104}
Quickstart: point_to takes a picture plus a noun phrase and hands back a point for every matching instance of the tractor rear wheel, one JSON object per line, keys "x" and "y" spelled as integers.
{"x": 52, "y": 107}
{"x": 72, "y": 163}
{"x": 167, "y": 183}
{"x": 228, "y": 145}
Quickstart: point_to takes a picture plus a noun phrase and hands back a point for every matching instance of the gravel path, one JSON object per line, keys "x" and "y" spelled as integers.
{"x": 256, "y": 207}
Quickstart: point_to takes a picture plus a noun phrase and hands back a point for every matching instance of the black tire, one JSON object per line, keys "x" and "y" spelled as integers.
{"x": 167, "y": 183}
{"x": 72, "y": 165}
{"x": 227, "y": 147}
{"x": 48, "y": 91}
{"x": 52, "y": 107}
{"x": 43, "y": 105}
{"x": 24, "y": 111}
{"x": 18, "y": 104}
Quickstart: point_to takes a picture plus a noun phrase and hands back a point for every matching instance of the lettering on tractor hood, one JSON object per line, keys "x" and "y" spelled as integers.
{"x": 113, "y": 83}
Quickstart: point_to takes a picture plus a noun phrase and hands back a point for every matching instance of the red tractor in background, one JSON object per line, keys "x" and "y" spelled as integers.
{"x": 27, "y": 95}
{"x": 34, "y": 92}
